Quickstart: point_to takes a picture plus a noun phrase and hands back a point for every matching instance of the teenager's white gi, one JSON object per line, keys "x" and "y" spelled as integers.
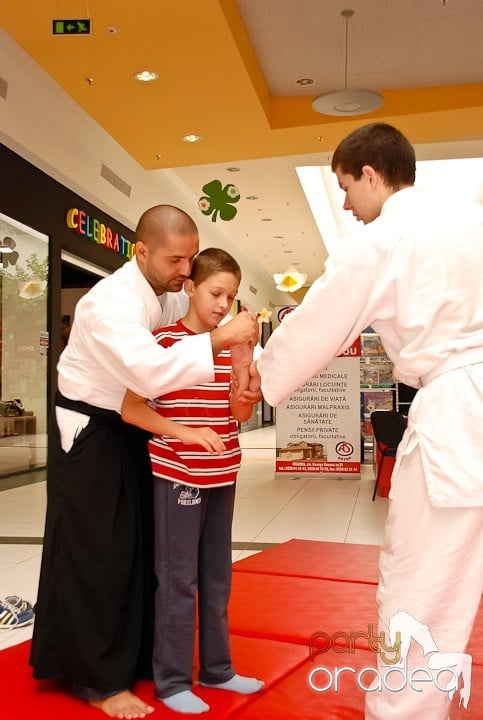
{"x": 414, "y": 275}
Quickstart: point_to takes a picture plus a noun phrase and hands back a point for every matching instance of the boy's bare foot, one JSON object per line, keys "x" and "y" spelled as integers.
{"x": 124, "y": 706}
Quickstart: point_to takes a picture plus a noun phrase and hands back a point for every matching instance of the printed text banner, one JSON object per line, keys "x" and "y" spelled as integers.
{"x": 318, "y": 426}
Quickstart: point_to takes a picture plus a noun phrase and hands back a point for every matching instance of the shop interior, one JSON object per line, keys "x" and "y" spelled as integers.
{"x": 23, "y": 437}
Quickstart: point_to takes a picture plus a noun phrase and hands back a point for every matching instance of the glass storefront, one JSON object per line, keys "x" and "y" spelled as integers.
{"x": 24, "y": 255}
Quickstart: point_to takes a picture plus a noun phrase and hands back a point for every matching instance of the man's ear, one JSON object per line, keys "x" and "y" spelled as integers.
{"x": 189, "y": 287}
{"x": 141, "y": 249}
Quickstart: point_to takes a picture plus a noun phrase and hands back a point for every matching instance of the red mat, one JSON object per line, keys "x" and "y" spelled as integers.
{"x": 280, "y": 599}
{"x": 27, "y": 698}
{"x": 294, "y": 699}
{"x": 475, "y": 644}
{"x": 312, "y": 559}
{"x": 475, "y": 705}
{"x": 292, "y": 609}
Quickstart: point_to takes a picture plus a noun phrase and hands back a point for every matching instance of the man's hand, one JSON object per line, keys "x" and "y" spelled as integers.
{"x": 243, "y": 328}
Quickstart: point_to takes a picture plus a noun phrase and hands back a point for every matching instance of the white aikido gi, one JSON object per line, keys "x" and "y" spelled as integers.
{"x": 111, "y": 341}
{"x": 111, "y": 346}
{"x": 414, "y": 275}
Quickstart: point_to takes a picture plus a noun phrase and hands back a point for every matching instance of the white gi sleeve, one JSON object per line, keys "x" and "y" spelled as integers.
{"x": 135, "y": 359}
{"x": 333, "y": 313}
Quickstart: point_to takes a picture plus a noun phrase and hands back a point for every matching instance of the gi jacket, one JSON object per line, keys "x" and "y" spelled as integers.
{"x": 414, "y": 275}
{"x": 111, "y": 346}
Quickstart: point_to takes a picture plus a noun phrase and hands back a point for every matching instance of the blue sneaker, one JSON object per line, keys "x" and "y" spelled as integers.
{"x": 12, "y": 617}
{"x": 18, "y": 602}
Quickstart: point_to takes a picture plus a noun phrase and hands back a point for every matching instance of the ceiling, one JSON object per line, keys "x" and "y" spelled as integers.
{"x": 228, "y": 72}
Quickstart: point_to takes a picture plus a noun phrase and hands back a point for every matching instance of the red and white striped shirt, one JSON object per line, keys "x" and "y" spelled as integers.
{"x": 197, "y": 406}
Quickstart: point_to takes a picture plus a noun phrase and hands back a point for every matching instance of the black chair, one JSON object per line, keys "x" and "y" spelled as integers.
{"x": 388, "y": 427}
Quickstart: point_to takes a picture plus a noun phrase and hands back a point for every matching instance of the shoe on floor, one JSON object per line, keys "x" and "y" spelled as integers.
{"x": 17, "y": 602}
{"x": 12, "y": 617}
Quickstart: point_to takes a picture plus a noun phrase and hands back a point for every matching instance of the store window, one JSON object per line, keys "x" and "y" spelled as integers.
{"x": 24, "y": 256}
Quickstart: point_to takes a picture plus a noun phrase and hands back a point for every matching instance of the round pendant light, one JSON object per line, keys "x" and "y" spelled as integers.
{"x": 349, "y": 101}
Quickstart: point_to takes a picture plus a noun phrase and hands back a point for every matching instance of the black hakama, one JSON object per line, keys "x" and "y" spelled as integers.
{"x": 94, "y": 615}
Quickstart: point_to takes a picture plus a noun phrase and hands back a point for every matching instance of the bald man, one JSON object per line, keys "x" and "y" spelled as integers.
{"x": 93, "y": 625}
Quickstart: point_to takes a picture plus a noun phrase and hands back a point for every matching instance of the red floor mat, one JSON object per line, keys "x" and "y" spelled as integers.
{"x": 474, "y": 711}
{"x": 24, "y": 698}
{"x": 475, "y": 645}
{"x": 294, "y": 699}
{"x": 292, "y": 609}
{"x": 296, "y": 607}
{"x": 324, "y": 560}
{"x": 273, "y": 618}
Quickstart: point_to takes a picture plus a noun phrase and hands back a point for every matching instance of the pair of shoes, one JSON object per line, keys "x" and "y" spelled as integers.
{"x": 15, "y": 612}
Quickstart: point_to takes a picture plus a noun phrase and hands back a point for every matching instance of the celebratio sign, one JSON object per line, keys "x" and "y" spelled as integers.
{"x": 98, "y": 232}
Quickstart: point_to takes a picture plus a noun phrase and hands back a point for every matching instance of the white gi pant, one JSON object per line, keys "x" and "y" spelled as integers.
{"x": 431, "y": 566}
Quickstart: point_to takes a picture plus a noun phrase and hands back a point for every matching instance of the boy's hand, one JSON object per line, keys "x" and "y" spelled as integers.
{"x": 254, "y": 393}
{"x": 242, "y": 354}
{"x": 204, "y": 436}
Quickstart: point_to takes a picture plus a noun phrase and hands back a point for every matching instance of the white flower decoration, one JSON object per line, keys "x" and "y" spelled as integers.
{"x": 32, "y": 289}
{"x": 289, "y": 281}
{"x": 264, "y": 315}
{"x": 203, "y": 204}
{"x": 232, "y": 191}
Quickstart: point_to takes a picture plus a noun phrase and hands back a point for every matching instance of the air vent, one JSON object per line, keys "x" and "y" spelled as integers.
{"x": 3, "y": 88}
{"x": 115, "y": 180}
{"x": 253, "y": 289}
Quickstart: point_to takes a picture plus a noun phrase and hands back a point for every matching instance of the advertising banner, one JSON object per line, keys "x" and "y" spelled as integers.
{"x": 319, "y": 426}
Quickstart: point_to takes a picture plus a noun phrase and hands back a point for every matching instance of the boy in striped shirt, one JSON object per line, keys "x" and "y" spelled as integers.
{"x": 195, "y": 457}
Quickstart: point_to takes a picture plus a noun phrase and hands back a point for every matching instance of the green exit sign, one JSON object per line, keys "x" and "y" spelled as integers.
{"x": 71, "y": 27}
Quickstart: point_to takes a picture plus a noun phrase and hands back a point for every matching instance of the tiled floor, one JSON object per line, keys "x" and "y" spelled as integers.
{"x": 268, "y": 510}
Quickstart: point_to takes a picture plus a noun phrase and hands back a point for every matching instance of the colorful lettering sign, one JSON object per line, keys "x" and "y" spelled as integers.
{"x": 98, "y": 232}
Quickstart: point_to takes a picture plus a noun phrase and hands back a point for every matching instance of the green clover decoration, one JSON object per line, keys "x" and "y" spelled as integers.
{"x": 219, "y": 199}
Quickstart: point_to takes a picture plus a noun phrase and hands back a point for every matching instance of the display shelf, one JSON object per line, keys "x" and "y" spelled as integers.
{"x": 18, "y": 425}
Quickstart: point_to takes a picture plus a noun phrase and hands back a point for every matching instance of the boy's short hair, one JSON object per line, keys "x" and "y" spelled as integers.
{"x": 211, "y": 261}
{"x": 381, "y": 146}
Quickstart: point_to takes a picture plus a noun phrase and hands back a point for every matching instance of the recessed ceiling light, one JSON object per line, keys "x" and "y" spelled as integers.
{"x": 278, "y": 237}
{"x": 112, "y": 30}
{"x": 251, "y": 197}
{"x": 288, "y": 252}
{"x": 304, "y": 81}
{"x": 146, "y": 76}
{"x": 233, "y": 169}
{"x": 192, "y": 138}
{"x": 266, "y": 219}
